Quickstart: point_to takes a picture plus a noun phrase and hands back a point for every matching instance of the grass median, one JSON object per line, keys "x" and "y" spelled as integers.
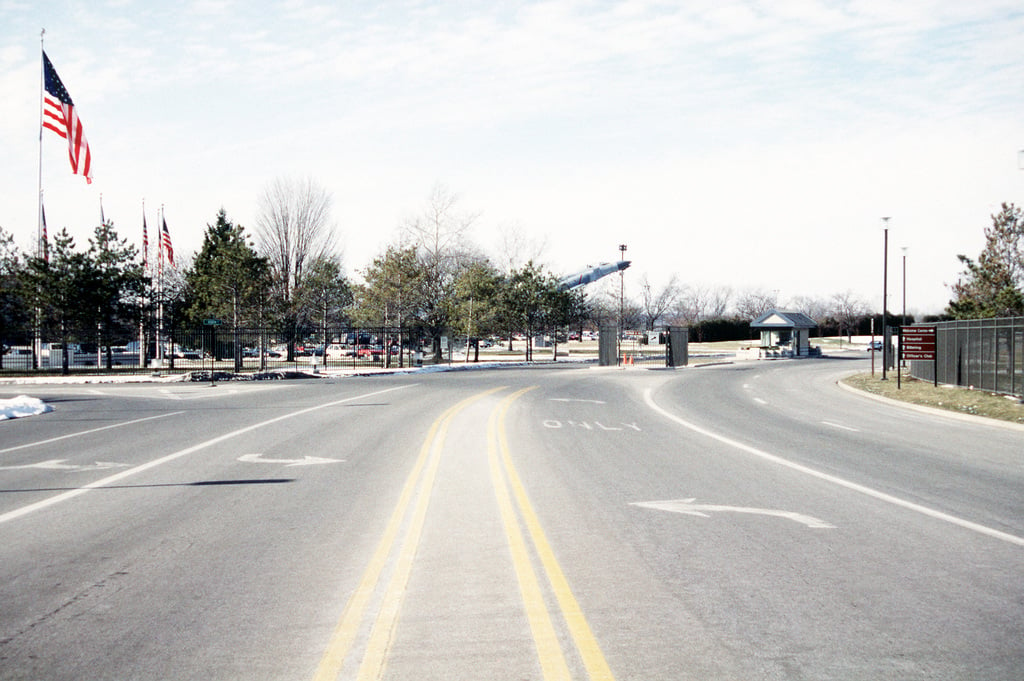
{"x": 962, "y": 400}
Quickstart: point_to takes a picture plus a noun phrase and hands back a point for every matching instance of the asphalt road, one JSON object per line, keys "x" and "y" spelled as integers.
{"x": 746, "y": 521}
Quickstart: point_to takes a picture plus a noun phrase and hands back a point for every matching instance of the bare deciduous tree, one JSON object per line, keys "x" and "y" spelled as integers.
{"x": 514, "y": 248}
{"x": 440, "y": 237}
{"x": 816, "y": 308}
{"x": 847, "y": 310}
{"x": 701, "y": 303}
{"x": 295, "y": 230}
{"x": 656, "y": 303}
{"x": 754, "y": 303}
{"x": 295, "y": 233}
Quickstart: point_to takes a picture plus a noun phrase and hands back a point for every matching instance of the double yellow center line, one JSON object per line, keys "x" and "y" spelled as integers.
{"x": 504, "y": 476}
{"x": 410, "y": 513}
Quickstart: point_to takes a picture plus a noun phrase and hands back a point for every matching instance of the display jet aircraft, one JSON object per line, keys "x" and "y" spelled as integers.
{"x": 591, "y": 274}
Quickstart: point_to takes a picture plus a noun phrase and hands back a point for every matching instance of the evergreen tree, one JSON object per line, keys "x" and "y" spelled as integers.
{"x": 14, "y": 313}
{"x": 325, "y": 295}
{"x": 227, "y": 279}
{"x": 533, "y": 303}
{"x": 993, "y": 286}
{"x": 391, "y": 295}
{"x": 62, "y": 288}
{"x": 478, "y": 308}
{"x": 117, "y": 285}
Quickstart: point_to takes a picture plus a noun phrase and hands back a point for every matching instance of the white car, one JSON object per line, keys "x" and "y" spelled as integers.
{"x": 337, "y": 351}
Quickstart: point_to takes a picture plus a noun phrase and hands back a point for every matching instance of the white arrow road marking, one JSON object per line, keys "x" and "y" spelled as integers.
{"x": 687, "y": 507}
{"x": 59, "y": 465}
{"x": 121, "y": 475}
{"x": 833, "y": 479}
{"x": 306, "y": 461}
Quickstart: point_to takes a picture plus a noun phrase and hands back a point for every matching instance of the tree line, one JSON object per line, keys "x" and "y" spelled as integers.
{"x": 287, "y": 275}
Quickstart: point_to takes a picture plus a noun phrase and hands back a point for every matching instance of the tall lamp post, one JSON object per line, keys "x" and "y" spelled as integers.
{"x": 903, "y": 317}
{"x": 885, "y": 297}
{"x": 622, "y": 296}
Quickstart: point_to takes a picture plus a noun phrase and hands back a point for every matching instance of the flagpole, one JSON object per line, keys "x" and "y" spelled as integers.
{"x": 160, "y": 294}
{"x": 39, "y": 208}
{"x": 37, "y": 341}
{"x": 142, "y": 299}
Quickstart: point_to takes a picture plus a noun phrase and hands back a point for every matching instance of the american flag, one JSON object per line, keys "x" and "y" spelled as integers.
{"x": 60, "y": 116}
{"x": 145, "y": 242}
{"x": 45, "y": 245}
{"x": 165, "y": 243}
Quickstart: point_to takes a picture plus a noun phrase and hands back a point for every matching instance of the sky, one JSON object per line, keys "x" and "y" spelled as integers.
{"x": 731, "y": 143}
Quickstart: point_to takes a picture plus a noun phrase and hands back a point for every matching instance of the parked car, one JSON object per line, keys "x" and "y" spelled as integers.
{"x": 874, "y": 345}
{"x": 370, "y": 351}
{"x": 17, "y": 357}
{"x": 337, "y": 351}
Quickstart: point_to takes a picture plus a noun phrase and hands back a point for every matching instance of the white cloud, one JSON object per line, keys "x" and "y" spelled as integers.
{"x": 775, "y": 124}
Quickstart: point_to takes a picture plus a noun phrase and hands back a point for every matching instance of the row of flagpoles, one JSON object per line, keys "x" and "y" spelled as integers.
{"x": 165, "y": 250}
{"x": 57, "y": 113}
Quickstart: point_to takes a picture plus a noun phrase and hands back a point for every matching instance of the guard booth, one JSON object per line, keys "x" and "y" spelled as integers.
{"x": 785, "y": 334}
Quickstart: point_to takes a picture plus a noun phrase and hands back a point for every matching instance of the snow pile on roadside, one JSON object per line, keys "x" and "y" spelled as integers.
{"x": 22, "y": 405}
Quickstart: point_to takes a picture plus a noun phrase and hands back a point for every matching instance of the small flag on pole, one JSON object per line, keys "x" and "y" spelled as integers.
{"x": 145, "y": 242}
{"x": 45, "y": 246}
{"x": 59, "y": 115}
{"x": 165, "y": 243}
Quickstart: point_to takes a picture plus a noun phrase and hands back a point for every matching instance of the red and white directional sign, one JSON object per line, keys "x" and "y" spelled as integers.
{"x": 919, "y": 342}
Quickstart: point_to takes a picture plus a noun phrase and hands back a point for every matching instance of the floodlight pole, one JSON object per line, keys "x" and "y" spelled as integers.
{"x": 885, "y": 297}
{"x": 903, "y": 317}
{"x": 622, "y": 293}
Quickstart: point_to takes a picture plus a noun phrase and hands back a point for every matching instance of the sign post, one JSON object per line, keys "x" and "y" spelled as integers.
{"x": 213, "y": 323}
{"x": 918, "y": 343}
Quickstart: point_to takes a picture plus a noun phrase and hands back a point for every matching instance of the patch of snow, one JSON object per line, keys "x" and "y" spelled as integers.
{"x": 22, "y": 405}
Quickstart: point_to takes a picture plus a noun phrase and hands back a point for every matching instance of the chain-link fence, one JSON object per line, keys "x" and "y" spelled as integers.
{"x": 987, "y": 354}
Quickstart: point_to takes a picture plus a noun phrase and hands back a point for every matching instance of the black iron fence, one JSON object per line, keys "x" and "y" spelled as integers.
{"x": 987, "y": 354}
{"x": 215, "y": 347}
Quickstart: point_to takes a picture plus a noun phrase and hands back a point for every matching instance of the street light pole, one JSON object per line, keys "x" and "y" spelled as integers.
{"x": 622, "y": 294}
{"x": 885, "y": 298}
{"x": 903, "y": 320}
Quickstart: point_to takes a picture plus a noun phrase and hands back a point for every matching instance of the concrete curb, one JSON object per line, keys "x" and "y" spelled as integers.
{"x": 934, "y": 411}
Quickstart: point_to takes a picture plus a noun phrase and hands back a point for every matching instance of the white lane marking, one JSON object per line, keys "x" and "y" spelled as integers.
{"x": 841, "y": 426}
{"x": 59, "y": 465}
{"x": 87, "y": 432}
{"x": 165, "y": 393}
{"x": 836, "y": 480}
{"x": 109, "y": 480}
{"x": 687, "y": 507}
{"x": 568, "y": 399}
{"x": 305, "y": 461}
{"x": 760, "y": 401}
